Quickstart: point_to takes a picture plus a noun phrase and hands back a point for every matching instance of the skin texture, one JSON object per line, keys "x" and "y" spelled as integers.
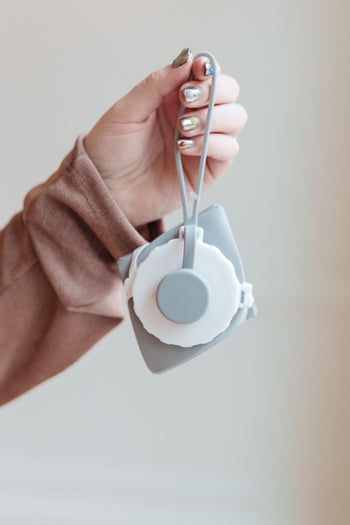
{"x": 132, "y": 145}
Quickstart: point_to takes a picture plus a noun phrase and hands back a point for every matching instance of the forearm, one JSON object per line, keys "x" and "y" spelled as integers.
{"x": 60, "y": 290}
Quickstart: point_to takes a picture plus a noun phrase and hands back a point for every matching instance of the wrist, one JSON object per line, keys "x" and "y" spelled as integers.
{"x": 89, "y": 146}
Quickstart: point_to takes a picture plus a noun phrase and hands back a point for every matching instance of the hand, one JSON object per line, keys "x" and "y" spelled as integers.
{"x": 132, "y": 145}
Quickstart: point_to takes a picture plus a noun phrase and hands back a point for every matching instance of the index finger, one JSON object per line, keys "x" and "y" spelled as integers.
{"x": 200, "y": 71}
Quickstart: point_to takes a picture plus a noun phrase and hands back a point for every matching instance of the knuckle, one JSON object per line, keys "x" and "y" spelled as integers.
{"x": 234, "y": 148}
{"x": 152, "y": 80}
{"x": 230, "y": 116}
{"x": 197, "y": 146}
{"x": 234, "y": 87}
{"x": 242, "y": 114}
{"x": 233, "y": 117}
{"x": 231, "y": 149}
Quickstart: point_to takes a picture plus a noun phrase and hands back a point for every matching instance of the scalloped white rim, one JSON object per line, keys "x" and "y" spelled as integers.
{"x": 211, "y": 265}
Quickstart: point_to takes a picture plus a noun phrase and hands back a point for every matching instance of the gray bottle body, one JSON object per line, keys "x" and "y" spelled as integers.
{"x": 158, "y": 355}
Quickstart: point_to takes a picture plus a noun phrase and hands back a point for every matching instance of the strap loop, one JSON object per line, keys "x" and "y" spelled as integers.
{"x": 196, "y": 195}
{"x": 190, "y": 223}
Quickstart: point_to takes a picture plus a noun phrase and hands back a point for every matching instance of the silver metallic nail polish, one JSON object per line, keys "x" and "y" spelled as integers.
{"x": 208, "y": 69}
{"x": 188, "y": 123}
{"x": 185, "y": 143}
{"x": 182, "y": 57}
{"x": 192, "y": 94}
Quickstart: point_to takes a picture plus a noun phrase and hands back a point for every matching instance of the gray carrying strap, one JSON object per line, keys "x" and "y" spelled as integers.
{"x": 190, "y": 235}
{"x": 190, "y": 223}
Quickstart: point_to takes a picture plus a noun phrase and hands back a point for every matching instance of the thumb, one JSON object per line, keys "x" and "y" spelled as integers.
{"x": 146, "y": 97}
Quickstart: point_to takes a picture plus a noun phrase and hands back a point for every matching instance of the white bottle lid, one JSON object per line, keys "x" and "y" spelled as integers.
{"x": 212, "y": 266}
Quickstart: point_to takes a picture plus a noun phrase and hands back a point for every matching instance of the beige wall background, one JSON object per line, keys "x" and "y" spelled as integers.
{"x": 257, "y": 430}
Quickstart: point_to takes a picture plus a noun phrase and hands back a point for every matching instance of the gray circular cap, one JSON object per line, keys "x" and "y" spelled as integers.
{"x": 183, "y": 296}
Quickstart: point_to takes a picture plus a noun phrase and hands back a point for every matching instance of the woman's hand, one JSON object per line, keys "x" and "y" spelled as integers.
{"x": 132, "y": 145}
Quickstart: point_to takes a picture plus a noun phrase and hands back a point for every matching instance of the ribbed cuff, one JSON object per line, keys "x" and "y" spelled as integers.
{"x": 78, "y": 232}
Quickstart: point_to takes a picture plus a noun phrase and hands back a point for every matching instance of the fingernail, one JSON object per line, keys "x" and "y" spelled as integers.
{"x": 188, "y": 123}
{"x": 192, "y": 94}
{"x": 182, "y": 57}
{"x": 209, "y": 70}
{"x": 185, "y": 143}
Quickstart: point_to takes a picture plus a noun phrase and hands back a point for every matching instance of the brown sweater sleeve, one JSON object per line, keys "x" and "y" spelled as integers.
{"x": 60, "y": 289}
